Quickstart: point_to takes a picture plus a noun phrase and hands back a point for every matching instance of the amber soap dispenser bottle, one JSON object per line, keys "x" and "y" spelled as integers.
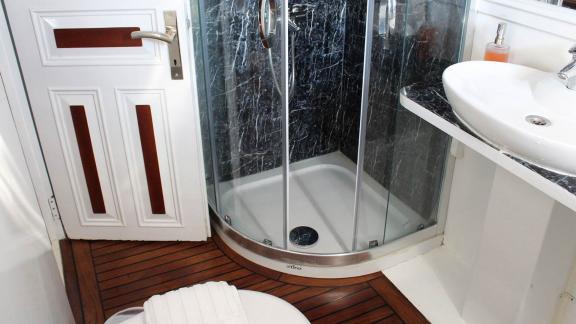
{"x": 497, "y": 50}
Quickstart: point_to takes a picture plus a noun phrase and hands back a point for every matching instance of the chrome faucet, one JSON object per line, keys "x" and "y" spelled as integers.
{"x": 568, "y": 73}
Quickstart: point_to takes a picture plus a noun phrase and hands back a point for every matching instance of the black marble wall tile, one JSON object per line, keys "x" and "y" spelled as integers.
{"x": 316, "y": 105}
{"x": 402, "y": 152}
{"x": 385, "y": 76}
{"x": 352, "y": 78}
{"x": 246, "y": 108}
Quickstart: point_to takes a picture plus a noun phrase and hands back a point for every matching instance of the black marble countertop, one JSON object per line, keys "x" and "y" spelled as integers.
{"x": 432, "y": 97}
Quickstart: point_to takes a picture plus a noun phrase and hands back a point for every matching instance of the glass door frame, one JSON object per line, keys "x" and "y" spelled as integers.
{"x": 367, "y": 64}
{"x": 285, "y": 85}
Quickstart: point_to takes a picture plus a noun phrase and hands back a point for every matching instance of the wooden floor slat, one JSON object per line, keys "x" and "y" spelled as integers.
{"x": 72, "y": 284}
{"x": 229, "y": 276}
{"x": 118, "y": 246}
{"x": 339, "y": 304}
{"x": 373, "y": 316}
{"x": 248, "y": 280}
{"x": 192, "y": 255}
{"x": 166, "y": 267}
{"x": 394, "y": 319}
{"x": 331, "y": 296}
{"x": 115, "y": 275}
{"x": 95, "y": 245}
{"x": 284, "y": 290}
{"x": 265, "y": 285}
{"x": 305, "y": 294}
{"x": 89, "y": 293}
{"x": 165, "y": 286}
{"x": 218, "y": 264}
{"x": 397, "y": 301}
{"x": 130, "y": 252}
{"x": 355, "y": 311}
{"x": 143, "y": 256}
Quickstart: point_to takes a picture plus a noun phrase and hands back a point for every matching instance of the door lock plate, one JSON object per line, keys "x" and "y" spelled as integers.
{"x": 174, "y": 57}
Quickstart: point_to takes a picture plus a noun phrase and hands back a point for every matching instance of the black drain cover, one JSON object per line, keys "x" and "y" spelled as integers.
{"x": 303, "y": 236}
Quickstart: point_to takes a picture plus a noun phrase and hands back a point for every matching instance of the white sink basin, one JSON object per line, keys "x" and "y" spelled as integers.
{"x": 495, "y": 100}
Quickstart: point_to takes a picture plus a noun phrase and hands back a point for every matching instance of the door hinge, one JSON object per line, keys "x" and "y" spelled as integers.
{"x": 54, "y": 208}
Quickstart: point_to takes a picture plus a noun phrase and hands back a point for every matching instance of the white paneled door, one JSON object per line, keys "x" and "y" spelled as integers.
{"x": 116, "y": 115}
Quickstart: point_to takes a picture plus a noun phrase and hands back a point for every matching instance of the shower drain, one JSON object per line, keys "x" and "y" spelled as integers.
{"x": 538, "y": 120}
{"x": 303, "y": 236}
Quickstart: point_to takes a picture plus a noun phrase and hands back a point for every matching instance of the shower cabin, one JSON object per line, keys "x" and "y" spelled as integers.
{"x": 309, "y": 158}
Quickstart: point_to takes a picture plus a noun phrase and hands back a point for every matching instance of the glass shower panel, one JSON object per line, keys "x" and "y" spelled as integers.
{"x": 245, "y": 112}
{"x": 418, "y": 162}
{"x": 413, "y": 41}
{"x": 203, "y": 104}
{"x": 326, "y": 66}
{"x": 383, "y": 72}
{"x": 432, "y": 42}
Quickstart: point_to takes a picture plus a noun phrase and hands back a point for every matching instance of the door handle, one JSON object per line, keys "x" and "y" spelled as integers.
{"x": 167, "y": 37}
{"x": 266, "y": 21}
{"x": 387, "y": 18}
{"x": 170, "y": 37}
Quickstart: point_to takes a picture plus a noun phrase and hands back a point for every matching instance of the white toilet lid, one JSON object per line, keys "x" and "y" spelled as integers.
{"x": 260, "y": 308}
{"x": 263, "y": 308}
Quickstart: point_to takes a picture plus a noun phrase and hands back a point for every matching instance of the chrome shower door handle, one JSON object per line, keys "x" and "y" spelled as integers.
{"x": 386, "y": 18}
{"x": 266, "y": 21}
{"x": 167, "y": 37}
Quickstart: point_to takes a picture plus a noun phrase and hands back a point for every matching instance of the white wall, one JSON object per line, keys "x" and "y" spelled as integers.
{"x": 27, "y": 132}
{"x": 539, "y": 34}
{"x": 32, "y": 290}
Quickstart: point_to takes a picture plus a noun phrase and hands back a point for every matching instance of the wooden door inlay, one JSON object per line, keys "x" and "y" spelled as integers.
{"x": 149, "y": 152}
{"x": 84, "y": 141}
{"x": 96, "y": 37}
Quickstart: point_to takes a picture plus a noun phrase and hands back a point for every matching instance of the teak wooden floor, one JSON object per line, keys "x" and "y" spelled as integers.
{"x": 103, "y": 277}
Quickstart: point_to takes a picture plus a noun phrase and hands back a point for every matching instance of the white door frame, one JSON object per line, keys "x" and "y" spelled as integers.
{"x": 16, "y": 93}
{"x": 194, "y": 92}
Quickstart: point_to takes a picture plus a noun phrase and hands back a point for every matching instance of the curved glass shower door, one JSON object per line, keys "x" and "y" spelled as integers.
{"x": 241, "y": 71}
{"x": 306, "y": 146}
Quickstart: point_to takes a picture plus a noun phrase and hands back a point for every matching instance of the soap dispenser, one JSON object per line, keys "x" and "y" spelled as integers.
{"x": 497, "y": 50}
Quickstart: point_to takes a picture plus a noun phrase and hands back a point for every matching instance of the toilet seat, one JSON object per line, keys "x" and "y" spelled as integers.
{"x": 263, "y": 308}
{"x": 260, "y": 308}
